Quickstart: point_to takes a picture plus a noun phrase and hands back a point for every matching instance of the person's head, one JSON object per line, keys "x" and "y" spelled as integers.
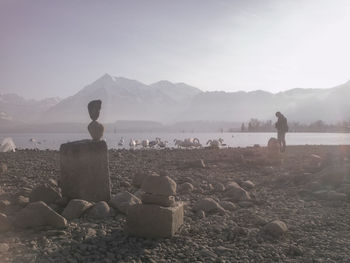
{"x": 278, "y": 114}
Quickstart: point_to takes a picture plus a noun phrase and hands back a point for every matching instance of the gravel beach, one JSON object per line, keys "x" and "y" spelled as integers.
{"x": 302, "y": 189}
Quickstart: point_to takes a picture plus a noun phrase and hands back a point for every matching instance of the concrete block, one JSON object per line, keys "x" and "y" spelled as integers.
{"x": 153, "y": 221}
{"x": 84, "y": 170}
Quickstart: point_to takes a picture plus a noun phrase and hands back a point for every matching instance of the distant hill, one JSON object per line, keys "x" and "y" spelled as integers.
{"x": 15, "y": 109}
{"x": 170, "y": 103}
{"x": 125, "y": 99}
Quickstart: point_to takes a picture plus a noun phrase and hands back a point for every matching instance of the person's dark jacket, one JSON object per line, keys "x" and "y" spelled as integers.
{"x": 281, "y": 124}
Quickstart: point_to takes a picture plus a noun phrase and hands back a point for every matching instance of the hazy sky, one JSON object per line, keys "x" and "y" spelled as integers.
{"x": 54, "y": 48}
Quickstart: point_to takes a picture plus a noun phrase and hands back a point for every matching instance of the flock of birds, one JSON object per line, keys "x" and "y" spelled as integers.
{"x": 186, "y": 143}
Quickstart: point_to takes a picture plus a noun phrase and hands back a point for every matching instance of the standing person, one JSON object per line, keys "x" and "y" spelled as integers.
{"x": 282, "y": 128}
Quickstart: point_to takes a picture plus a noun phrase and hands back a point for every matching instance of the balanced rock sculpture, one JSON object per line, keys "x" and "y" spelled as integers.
{"x": 95, "y": 128}
{"x": 158, "y": 215}
{"x": 84, "y": 164}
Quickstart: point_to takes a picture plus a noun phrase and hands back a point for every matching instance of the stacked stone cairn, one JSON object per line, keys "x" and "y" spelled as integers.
{"x": 83, "y": 188}
{"x": 84, "y": 164}
{"x": 159, "y": 215}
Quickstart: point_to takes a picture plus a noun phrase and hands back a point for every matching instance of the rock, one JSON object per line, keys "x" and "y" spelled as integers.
{"x": 153, "y": 221}
{"x": 208, "y": 205}
{"x": 45, "y": 193}
{"x": 218, "y": 187}
{"x": 4, "y": 204}
{"x": 344, "y": 188}
{"x": 99, "y": 211}
{"x": 25, "y": 191}
{"x": 245, "y": 204}
{"x": 160, "y": 185}
{"x": 194, "y": 164}
{"x": 155, "y": 199}
{"x": 123, "y": 201}
{"x": 94, "y": 108}
{"x": 139, "y": 177}
{"x": 236, "y": 193}
{"x": 96, "y": 130}
{"x": 335, "y": 196}
{"x": 4, "y": 247}
{"x": 227, "y": 205}
{"x": 39, "y": 214}
{"x": 3, "y": 168}
{"x": 186, "y": 188}
{"x": 248, "y": 185}
{"x": 273, "y": 148}
{"x": 22, "y": 200}
{"x": 84, "y": 171}
{"x": 75, "y": 208}
{"x": 335, "y": 175}
{"x": 5, "y": 224}
{"x": 275, "y": 228}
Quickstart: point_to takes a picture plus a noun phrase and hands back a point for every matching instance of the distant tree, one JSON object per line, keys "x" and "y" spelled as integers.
{"x": 242, "y": 127}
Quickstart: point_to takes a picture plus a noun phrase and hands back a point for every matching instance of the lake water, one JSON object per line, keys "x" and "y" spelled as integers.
{"x": 54, "y": 140}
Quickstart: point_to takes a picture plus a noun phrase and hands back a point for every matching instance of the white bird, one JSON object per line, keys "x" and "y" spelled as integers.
{"x": 145, "y": 143}
{"x": 132, "y": 143}
{"x": 216, "y": 143}
{"x": 7, "y": 145}
{"x": 121, "y": 142}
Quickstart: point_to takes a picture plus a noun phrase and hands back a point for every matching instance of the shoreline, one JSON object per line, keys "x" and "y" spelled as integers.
{"x": 318, "y": 228}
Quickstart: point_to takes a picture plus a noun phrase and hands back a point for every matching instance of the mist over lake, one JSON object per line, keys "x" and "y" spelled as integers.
{"x": 53, "y": 141}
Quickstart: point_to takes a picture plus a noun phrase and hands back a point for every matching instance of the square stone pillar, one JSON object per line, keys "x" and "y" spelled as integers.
{"x": 154, "y": 221}
{"x": 84, "y": 170}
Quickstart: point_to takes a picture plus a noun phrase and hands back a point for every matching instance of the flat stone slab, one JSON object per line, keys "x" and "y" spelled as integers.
{"x": 84, "y": 170}
{"x": 153, "y": 221}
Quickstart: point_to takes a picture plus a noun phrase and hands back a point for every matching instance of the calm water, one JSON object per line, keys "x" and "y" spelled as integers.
{"x": 54, "y": 140}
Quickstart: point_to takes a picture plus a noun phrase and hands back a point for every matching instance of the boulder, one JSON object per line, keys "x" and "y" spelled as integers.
{"x": 156, "y": 199}
{"x": 227, "y": 205}
{"x": 39, "y": 214}
{"x": 123, "y": 201}
{"x": 46, "y": 193}
{"x": 139, "y": 177}
{"x": 335, "y": 196}
{"x": 186, "y": 188}
{"x": 248, "y": 185}
{"x": 209, "y": 205}
{"x": 273, "y": 148}
{"x": 99, "y": 211}
{"x": 84, "y": 170}
{"x": 275, "y": 228}
{"x": 153, "y": 221}
{"x": 344, "y": 188}
{"x": 236, "y": 193}
{"x": 160, "y": 185}
{"x": 22, "y": 200}
{"x": 4, "y": 223}
{"x": 75, "y": 208}
{"x": 4, "y": 204}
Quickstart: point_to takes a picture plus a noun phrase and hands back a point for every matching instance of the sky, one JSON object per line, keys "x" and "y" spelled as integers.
{"x": 55, "y": 48}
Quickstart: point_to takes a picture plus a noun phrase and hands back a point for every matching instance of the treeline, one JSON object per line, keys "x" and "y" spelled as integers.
{"x": 255, "y": 125}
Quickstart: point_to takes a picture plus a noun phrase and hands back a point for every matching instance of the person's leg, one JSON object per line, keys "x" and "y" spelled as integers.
{"x": 283, "y": 142}
{"x": 279, "y": 139}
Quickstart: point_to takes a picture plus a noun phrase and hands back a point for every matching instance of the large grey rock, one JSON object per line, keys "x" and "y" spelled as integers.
{"x": 160, "y": 185}
{"x": 186, "y": 188}
{"x": 46, "y": 193}
{"x": 236, "y": 193}
{"x": 153, "y": 221}
{"x": 84, "y": 170}
{"x": 155, "y": 199}
{"x": 39, "y": 214}
{"x": 75, "y": 208}
{"x": 275, "y": 228}
{"x": 5, "y": 224}
{"x": 96, "y": 130}
{"x": 123, "y": 201}
{"x": 208, "y": 205}
{"x": 99, "y": 211}
{"x": 138, "y": 178}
